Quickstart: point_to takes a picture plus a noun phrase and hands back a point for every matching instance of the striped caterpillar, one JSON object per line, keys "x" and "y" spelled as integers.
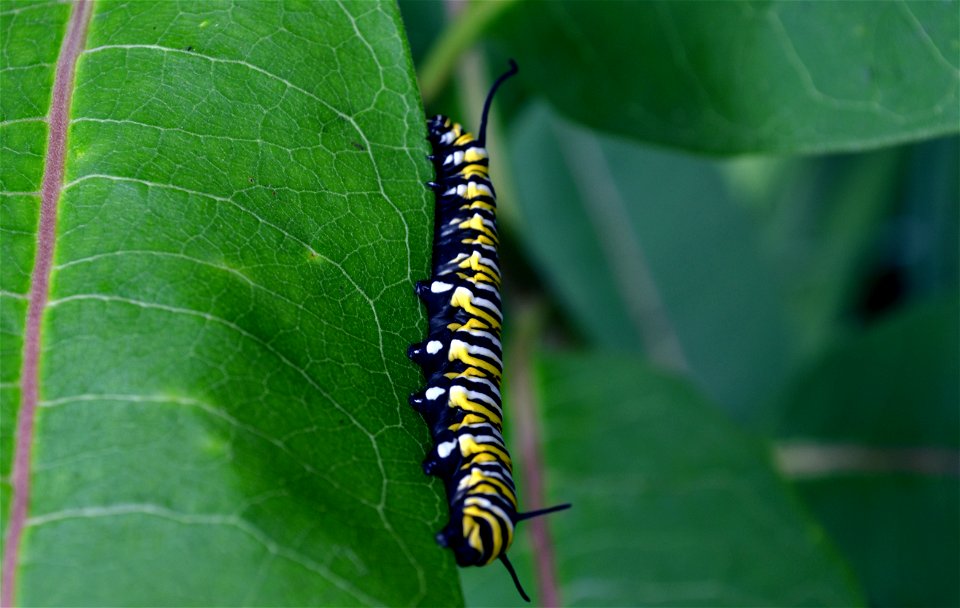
{"x": 462, "y": 357}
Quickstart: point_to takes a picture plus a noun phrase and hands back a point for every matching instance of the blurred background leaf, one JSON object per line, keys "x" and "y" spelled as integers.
{"x": 870, "y": 433}
{"x": 893, "y": 384}
{"x": 724, "y": 77}
{"x": 660, "y": 260}
{"x": 673, "y": 504}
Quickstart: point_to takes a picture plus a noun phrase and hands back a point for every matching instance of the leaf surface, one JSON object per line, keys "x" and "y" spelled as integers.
{"x": 893, "y": 385}
{"x": 724, "y": 78}
{"x": 887, "y": 398}
{"x": 222, "y": 373}
{"x": 672, "y": 504}
{"x": 899, "y": 532}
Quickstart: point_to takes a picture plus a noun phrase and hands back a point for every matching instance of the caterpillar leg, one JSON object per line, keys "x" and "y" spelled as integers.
{"x": 443, "y": 458}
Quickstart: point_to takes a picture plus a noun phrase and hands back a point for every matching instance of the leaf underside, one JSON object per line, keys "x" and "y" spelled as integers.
{"x": 725, "y": 78}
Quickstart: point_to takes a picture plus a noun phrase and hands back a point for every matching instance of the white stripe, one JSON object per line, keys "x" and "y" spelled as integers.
{"x": 444, "y": 449}
{"x": 477, "y": 350}
{"x": 476, "y": 396}
{"x": 486, "y": 222}
{"x": 488, "y": 287}
{"x": 488, "y": 506}
{"x": 481, "y": 426}
{"x": 453, "y": 159}
{"x": 482, "y": 334}
{"x": 482, "y": 188}
{"x": 482, "y": 303}
{"x": 476, "y": 254}
{"x": 504, "y": 478}
{"x": 479, "y": 439}
{"x": 490, "y": 385}
{"x": 489, "y": 248}
{"x": 461, "y": 189}
{"x": 464, "y": 483}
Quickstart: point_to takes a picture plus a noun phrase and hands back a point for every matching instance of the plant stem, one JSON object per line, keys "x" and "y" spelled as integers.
{"x": 529, "y": 320}
{"x": 460, "y": 35}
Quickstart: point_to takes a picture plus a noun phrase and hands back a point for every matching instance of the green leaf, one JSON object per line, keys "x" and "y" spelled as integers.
{"x": 424, "y": 20}
{"x": 887, "y": 399}
{"x": 894, "y": 385}
{"x": 900, "y": 533}
{"x": 222, "y": 416}
{"x": 661, "y": 258}
{"x": 672, "y": 504}
{"x": 932, "y": 200}
{"x": 823, "y": 222}
{"x": 720, "y": 77}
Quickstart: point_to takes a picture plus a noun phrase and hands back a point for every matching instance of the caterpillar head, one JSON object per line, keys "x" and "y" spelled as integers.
{"x": 478, "y": 533}
{"x": 456, "y": 537}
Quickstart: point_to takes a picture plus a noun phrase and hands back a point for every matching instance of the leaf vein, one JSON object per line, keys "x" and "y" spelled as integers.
{"x": 258, "y": 535}
{"x": 233, "y": 272}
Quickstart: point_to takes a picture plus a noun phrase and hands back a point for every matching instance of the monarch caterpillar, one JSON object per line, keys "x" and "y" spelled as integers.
{"x": 462, "y": 357}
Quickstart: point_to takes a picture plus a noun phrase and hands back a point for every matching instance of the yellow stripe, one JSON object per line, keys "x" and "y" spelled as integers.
{"x": 463, "y": 139}
{"x": 472, "y": 323}
{"x": 497, "y": 526}
{"x": 473, "y": 447}
{"x": 473, "y": 190}
{"x": 461, "y": 300}
{"x": 476, "y": 373}
{"x": 494, "y": 487}
{"x": 471, "y": 419}
{"x": 478, "y": 204}
{"x": 480, "y": 240}
{"x": 478, "y": 477}
{"x": 459, "y": 399}
{"x": 474, "y": 263}
{"x": 476, "y": 223}
{"x": 471, "y": 532}
{"x": 496, "y": 534}
{"x": 475, "y": 171}
{"x": 478, "y": 278}
{"x": 472, "y": 155}
{"x": 462, "y": 354}
{"x": 483, "y": 457}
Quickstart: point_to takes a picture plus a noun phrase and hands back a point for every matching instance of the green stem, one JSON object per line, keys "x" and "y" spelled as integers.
{"x": 456, "y": 38}
{"x": 529, "y": 321}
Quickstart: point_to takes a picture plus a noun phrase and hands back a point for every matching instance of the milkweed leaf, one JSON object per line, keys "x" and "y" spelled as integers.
{"x": 724, "y": 77}
{"x": 221, "y": 417}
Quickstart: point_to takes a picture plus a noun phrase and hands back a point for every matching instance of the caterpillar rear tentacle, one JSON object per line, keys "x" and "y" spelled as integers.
{"x": 540, "y": 512}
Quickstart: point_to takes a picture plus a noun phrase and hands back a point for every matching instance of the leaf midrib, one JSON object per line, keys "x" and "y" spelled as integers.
{"x": 58, "y": 120}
